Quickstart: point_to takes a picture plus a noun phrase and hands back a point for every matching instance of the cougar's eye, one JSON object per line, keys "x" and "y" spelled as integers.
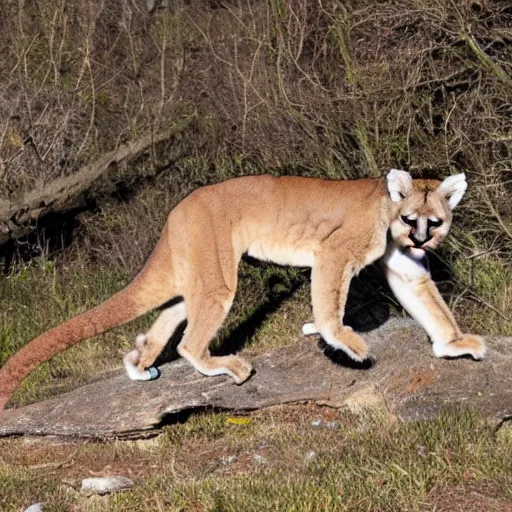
{"x": 409, "y": 221}
{"x": 434, "y": 223}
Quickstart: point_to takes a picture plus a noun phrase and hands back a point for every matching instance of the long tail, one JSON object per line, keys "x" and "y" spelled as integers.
{"x": 148, "y": 290}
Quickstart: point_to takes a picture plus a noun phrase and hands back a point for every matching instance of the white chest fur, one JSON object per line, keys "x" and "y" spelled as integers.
{"x": 406, "y": 267}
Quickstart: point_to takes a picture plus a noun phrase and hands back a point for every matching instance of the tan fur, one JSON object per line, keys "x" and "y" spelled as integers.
{"x": 336, "y": 227}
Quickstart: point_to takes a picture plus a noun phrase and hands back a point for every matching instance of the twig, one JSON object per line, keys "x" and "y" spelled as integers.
{"x": 473, "y": 295}
{"x": 490, "y": 64}
{"x": 497, "y": 216}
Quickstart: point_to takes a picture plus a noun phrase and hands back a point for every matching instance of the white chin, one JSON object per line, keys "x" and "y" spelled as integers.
{"x": 417, "y": 253}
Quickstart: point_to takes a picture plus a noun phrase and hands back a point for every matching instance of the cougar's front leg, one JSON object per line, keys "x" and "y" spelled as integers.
{"x": 330, "y": 280}
{"x": 420, "y": 298}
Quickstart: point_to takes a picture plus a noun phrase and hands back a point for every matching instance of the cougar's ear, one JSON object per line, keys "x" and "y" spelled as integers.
{"x": 399, "y": 184}
{"x": 453, "y": 188}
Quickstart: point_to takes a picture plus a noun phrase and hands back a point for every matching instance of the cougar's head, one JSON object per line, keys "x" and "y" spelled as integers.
{"x": 423, "y": 210}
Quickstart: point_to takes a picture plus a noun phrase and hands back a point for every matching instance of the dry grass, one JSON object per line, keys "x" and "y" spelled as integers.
{"x": 360, "y": 463}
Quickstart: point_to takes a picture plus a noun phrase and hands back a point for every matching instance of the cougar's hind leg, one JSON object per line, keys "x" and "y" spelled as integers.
{"x": 209, "y": 278}
{"x": 154, "y": 341}
{"x": 205, "y": 314}
{"x": 138, "y": 362}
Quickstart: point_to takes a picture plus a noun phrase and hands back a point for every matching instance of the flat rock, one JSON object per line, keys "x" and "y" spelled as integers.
{"x": 406, "y": 379}
{"x": 105, "y": 485}
{"x": 36, "y": 507}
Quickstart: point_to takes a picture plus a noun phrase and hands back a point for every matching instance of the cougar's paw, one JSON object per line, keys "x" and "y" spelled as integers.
{"x": 131, "y": 362}
{"x": 350, "y": 342}
{"x": 469, "y": 344}
{"x": 132, "y": 358}
{"x": 240, "y": 369}
{"x": 357, "y": 347}
{"x": 309, "y": 329}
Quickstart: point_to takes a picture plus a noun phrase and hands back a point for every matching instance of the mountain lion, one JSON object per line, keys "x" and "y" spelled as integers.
{"x": 334, "y": 227}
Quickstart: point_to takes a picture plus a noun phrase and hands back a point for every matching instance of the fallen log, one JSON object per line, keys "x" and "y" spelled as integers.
{"x": 406, "y": 381}
{"x": 18, "y": 216}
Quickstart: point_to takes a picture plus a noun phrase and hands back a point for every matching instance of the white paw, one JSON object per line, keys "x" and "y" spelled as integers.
{"x": 309, "y": 329}
{"x": 130, "y": 363}
{"x": 467, "y": 345}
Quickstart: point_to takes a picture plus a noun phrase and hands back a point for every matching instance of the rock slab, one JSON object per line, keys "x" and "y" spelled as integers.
{"x": 406, "y": 379}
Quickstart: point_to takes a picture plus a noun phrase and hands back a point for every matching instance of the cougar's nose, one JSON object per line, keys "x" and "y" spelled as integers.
{"x": 420, "y": 235}
{"x": 417, "y": 242}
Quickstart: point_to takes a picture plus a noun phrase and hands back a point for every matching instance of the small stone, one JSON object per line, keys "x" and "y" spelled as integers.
{"x": 229, "y": 459}
{"x": 106, "y": 485}
{"x": 260, "y": 459}
{"x": 36, "y": 507}
{"x": 331, "y": 425}
{"x": 311, "y": 455}
{"x": 316, "y": 423}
